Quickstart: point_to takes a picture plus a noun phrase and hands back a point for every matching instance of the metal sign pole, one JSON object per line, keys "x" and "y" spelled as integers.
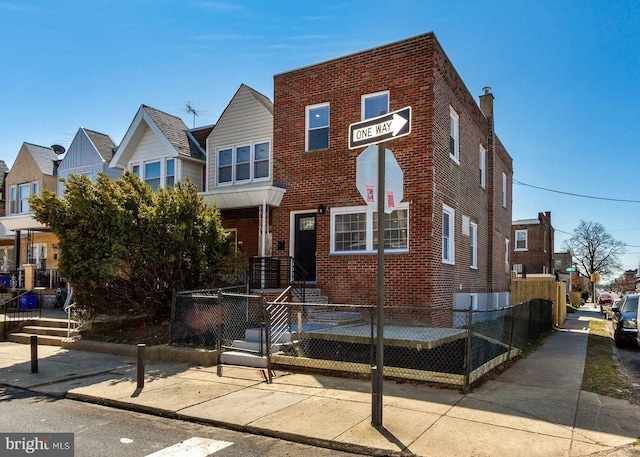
{"x": 377, "y": 374}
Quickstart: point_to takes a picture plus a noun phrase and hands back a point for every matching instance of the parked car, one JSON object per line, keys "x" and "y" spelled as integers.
{"x": 605, "y": 298}
{"x": 625, "y": 327}
{"x": 607, "y": 310}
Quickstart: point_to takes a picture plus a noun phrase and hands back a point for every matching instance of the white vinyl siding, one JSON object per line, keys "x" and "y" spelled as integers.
{"x": 245, "y": 121}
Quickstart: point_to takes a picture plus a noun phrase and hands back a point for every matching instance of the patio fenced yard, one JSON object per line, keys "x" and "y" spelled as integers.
{"x": 447, "y": 346}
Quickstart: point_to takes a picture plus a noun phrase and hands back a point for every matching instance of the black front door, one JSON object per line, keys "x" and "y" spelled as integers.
{"x": 305, "y": 245}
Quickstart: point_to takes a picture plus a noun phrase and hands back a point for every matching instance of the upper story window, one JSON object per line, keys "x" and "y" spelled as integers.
{"x": 373, "y": 105}
{"x": 135, "y": 169}
{"x": 243, "y": 163}
{"x": 473, "y": 244}
{"x": 19, "y": 197}
{"x": 354, "y": 230}
{"x": 504, "y": 190}
{"x": 317, "y": 127}
{"x": 448, "y": 223}
{"x": 482, "y": 166}
{"x": 454, "y": 135}
{"x": 521, "y": 240}
{"x": 152, "y": 174}
{"x": 170, "y": 166}
{"x": 506, "y": 251}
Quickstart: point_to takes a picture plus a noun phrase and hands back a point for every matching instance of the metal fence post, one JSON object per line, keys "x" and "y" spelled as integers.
{"x": 141, "y": 348}
{"x": 34, "y": 353}
{"x": 467, "y": 357}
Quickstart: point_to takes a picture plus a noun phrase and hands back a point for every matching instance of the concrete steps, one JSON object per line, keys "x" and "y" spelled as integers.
{"x": 50, "y": 332}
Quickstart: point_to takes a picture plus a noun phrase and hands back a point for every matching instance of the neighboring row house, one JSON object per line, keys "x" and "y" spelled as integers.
{"x": 285, "y": 180}
{"x": 533, "y": 246}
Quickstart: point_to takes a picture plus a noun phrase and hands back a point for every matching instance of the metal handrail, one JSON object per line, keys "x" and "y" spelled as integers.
{"x": 20, "y": 315}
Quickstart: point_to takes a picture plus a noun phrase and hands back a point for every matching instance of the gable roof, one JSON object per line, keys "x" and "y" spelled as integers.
{"x": 43, "y": 157}
{"x": 103, "y": 143}
{"x": 268, "y": 104}
{"x": 200, "y": 135}
{"x": 170, "y": 129}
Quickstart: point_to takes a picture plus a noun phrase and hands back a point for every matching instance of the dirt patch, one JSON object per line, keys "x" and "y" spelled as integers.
{"x": 129, "y": 331}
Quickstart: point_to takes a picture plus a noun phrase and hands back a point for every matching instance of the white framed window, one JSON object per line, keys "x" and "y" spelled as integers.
{"x": 13, "y": 200}
{"x": 482, "y": 166}
{"x": 448, "y": 225}
{"x": 517, "y": 267}
{"x": 504, "y": 190}
{"x": 374, "y": 105}
{"x": 152, "y": 174}
{"x": 244, "y": 163}
{"x": 473, "y": 245}
{"x": 473, "y": 298}
{"x": 135, "y": 169}
{"x": 506, "y": 251}
{"x": 521, "y": 240}
{"x": 170, "y": 173}
{"x": 354, "y": 230}
{"x": 317, "y": 128}
{"x": 454, "y": 135}
{"x": 19, "y": 196}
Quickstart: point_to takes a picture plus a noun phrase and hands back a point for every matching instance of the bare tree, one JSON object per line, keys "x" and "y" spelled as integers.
{"x": 595, "y": 250}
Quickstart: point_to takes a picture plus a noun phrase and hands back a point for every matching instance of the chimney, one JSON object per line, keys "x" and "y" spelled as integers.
{"x": 486, "y": 102}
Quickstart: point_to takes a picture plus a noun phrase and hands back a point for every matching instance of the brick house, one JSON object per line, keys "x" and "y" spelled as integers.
{"x": 447, "y": 241}
{"x": 533, "y": 245}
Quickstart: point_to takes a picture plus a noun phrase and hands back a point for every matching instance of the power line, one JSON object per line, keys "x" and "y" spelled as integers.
{"x": 515, "y": 181}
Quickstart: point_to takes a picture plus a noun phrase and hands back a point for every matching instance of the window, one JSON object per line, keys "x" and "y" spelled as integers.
{"x": 135, "y": 169}
{"x": 170, "y": 178}
{"x": 261, "y": 160}
{"x": 373, "y": 105}
{"x": 504, "y": 190}
{"x": 517, "y": 267}
{"x": 244, "y": 163}
{"x": 521, "y": 240}
{"x": 13, "y": 200}
{"x": 317, "y": 127}
{"x": 473, "y": 244}
{"x": 454, "y": 135}
{"x": 482, "y": 166}
{"x": 152, "y": 174}
{"x": 448, "y": 222}
{"x": 354, "y": 230}
{"x": 506, "y": 251}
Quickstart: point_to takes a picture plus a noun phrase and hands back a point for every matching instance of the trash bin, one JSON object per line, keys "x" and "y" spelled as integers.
{"x": 5, "y": 281}
{"x": 28, "y": 301}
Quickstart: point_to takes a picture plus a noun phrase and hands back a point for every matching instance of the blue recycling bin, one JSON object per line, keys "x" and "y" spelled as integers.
{"x": 28, "y": 301}
{"x": 5, "y": 281}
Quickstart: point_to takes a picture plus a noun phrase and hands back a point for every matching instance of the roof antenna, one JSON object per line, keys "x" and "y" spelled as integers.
{"x": 192, "y": 110}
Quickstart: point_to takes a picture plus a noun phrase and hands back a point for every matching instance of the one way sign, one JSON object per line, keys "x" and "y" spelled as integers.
{"x": 381, "y": 128}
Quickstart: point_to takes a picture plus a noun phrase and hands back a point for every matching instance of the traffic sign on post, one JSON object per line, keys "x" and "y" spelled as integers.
{"x": 377, "y": 129}
{"x": 367, "y": 178}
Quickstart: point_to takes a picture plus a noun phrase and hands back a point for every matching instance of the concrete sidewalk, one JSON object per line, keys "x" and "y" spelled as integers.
{"x": 535, "y": 408}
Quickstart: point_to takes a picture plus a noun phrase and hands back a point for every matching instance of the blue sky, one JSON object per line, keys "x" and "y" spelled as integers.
{"x": 564, "y": 75}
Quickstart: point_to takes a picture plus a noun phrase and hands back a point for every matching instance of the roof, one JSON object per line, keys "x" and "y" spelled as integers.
{"x": 200, "y": 135}
{"x": 103, "y": 144}
{"x": 175, "y": 130}
{"x": 268, "y": 104}
{"x": 526, "y": 222}
{"x": 43, "y": 157}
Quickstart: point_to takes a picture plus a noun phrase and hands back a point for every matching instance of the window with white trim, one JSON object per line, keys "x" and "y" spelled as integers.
{"x": 170, "y": 174}
{"x": 504, "y": 190}
{"x": 317, "y": 128}
{"x": 355, "y": 230}
{"x": 506, "y": 251}
{"x": 374, "y": 105}
{"x": 152, "y": 174}
{"x": 482, "y": 166}
{"x": 135, "y": 169}
{"x": 454, "y": 135}
{"x": 19, "y": 197}
{"x": 245, "y": 163}
{"x": 521, "y": 240}
{"x": 473, "y": 244}
{"x": 448, "y": 224}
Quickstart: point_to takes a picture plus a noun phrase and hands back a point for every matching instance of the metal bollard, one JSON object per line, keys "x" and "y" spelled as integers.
{"x": 34, "y": 353}
{"x": 141, "y": 348}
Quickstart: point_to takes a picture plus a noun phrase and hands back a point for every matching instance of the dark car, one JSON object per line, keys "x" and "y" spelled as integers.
{"x": 625, "y": 327}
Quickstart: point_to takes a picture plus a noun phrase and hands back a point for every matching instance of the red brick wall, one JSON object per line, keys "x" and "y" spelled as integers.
{"x": 247, "y": 224}
{"x": 417, "y": 73}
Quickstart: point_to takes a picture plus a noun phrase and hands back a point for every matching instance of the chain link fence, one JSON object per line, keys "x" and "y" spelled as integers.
{"x": 449, "y": 346}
